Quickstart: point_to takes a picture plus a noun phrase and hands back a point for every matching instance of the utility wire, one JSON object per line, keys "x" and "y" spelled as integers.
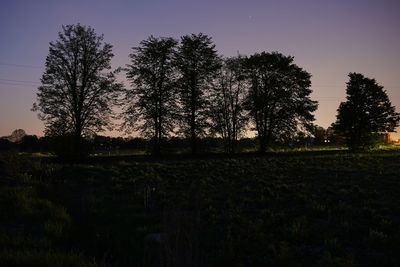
{"x": 18, "y": 81}
{"x": 341, "y": 86}
{"x": 42, "y": 67}
{"x": 18, "y": 84}
{"x": 20, "y": 65}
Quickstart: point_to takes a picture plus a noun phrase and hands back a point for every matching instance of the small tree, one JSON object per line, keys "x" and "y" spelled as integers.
{"x": 197, "y": 63}
{"x": 366, "y": 114}
{"x": 279, "y": 97}
{"x": 227, "y": 102}
{"x": 320, "y": 135}
{"x": 151, "y": 105}
{"x": 77, "y": 93}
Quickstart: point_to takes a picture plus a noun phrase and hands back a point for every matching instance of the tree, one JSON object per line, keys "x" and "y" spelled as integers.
{"x": 320, "y": 135}
{"x": 78, "y": 90}
{"x": 197, "y": 62}
{"x": 326, "y": 137}
{"x": 279, "y": 97}
{"x": 366, "y": 113}
{"x": 227, "y": 102}
{"x": 151, "y": 105}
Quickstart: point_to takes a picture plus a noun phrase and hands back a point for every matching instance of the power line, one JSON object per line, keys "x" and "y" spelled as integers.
{"x": 18, "y": 84}
{"x": 341, "y": 86}
{"x": 329, "y": 100}
{"x": 327, "y": 96}
{"x": 41, "y": 67}
{"x": 20, "y": 65}
{"x": 328, "y": 85}
{"x": 18, "y": 81}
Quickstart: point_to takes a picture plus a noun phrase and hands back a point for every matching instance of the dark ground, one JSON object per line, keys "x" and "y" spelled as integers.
{"x": 325, "y": 208}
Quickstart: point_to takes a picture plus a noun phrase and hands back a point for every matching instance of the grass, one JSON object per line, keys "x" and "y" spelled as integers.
{"x": 295, "y": 209}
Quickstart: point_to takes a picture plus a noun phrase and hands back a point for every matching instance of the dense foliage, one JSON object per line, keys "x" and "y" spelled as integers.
{"x": 213, "y": 94}
{"x": 186, "y": 90}
{"x": 279, "y": 97}
{"x": 228, "y": 94}
{"x": 151, "y": 106}
{"x": 78, "y": 90}
{"x": 197, "y": 62}
{"x": 366, "y": 114}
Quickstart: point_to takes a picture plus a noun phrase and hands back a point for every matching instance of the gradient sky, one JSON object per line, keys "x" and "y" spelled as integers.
{"x": 328, "y": 38}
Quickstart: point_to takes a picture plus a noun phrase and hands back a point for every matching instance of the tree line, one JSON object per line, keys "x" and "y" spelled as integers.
{"x": 185, "y": 88}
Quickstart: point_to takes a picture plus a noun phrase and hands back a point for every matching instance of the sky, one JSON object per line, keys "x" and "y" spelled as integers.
{"x": 327, "y": 38}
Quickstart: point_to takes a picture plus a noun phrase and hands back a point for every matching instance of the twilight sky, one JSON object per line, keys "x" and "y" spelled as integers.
{"x": 328, "y": 38}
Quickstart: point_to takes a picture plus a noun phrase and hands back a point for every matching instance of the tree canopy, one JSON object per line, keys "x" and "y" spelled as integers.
{"x": 187, "y": 88}
{"x": 227, "y": 102}
{"x": 150, "y": 106}
{"x": 197, "y": 63}
{"x": 78, "y": 89}
{"x": 279, "y": 97}
{"x": 366, "y": 113}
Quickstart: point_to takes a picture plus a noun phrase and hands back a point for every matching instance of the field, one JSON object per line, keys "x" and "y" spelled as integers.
{"x": 330, "y": 208}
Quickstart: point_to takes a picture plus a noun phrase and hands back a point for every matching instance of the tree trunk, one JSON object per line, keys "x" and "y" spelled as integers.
{"x": 193, "y": 141}
{"x": 77, "y": 144}
{"x": 263, "y": 144}
{"x": 156, "y": 139}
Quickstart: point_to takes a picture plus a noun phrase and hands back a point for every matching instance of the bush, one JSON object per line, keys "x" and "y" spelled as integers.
{"x": 44, "y": 258}
{"x": 67, "y": 147}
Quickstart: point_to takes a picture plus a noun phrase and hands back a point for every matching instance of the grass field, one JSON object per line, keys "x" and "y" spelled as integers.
{"x": 292, "y": 209}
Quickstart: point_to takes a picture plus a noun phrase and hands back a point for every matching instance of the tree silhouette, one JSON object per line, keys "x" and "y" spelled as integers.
{"x": 77, "y": 94}
{"x": 278, "y": 98}
{"x": 365, "y": 114}
{"x": 320, "y": 135}
{"x": 197, "y": 62}
{"x": 151, "y": 105}
{"x": 227, "y": 99}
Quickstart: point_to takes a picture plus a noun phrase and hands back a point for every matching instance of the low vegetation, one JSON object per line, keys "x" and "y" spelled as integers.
{"x": 292, "y": 209}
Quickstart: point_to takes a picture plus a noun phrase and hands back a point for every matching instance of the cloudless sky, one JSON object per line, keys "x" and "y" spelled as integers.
{"x": 328, "y": 38}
